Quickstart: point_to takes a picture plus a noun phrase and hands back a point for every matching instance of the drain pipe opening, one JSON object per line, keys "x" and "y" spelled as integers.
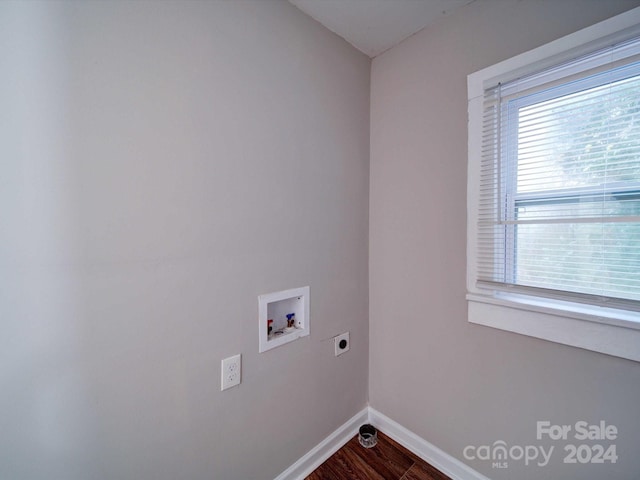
{"x": 368, "y": 436}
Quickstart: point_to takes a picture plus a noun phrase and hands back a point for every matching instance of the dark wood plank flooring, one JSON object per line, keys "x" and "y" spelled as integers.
{"x": 386, "y": 461}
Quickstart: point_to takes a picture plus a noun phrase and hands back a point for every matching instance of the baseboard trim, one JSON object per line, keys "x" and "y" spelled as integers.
{"x": 444, "y": 462}
{"x": 330, "y": 445}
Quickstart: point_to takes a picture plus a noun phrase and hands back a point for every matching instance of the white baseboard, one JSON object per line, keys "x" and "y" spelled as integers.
{"x": 330, "y": 445}
{"x": 431, "y": 454}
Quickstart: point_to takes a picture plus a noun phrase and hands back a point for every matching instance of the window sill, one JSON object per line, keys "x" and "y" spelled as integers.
{"x": 605, "y": 330}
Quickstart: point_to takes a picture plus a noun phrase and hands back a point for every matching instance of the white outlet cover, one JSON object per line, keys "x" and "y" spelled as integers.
{"x": 336, "y": 342}
{"x": 231, "y": 372}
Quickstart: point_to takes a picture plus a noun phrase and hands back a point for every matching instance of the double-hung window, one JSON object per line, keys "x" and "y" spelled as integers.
{"x": 554, "y": 191}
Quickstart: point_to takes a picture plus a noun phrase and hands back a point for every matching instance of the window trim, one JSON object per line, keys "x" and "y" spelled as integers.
{"x": 606, "y": 330}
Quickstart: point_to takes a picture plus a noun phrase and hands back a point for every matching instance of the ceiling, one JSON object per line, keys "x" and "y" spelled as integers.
{"x": 373, "y": 26}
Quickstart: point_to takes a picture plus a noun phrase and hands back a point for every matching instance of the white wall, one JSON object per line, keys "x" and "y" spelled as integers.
{"x": 163, "y": 164}
{"x": 454, "y": 383}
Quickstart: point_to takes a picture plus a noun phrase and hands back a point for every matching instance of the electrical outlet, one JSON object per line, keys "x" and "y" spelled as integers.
{"x": 341, "y": 343}
{"x": 231, "y": 372}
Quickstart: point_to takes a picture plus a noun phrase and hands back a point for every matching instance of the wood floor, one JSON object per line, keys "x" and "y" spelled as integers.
{"x": 386, "y": 461}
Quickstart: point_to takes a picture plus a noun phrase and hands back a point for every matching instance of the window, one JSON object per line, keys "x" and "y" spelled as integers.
{"x": 554, "y": 191}
{"x": 560, "y": 182}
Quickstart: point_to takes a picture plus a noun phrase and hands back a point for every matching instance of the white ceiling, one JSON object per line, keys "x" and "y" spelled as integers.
{"x": 373, "y": 26}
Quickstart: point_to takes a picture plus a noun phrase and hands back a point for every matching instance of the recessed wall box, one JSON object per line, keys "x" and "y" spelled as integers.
{"x": 287, "y": 313}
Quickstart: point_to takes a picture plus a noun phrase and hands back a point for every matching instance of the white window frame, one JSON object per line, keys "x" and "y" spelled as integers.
{"x": 605, "y": 330}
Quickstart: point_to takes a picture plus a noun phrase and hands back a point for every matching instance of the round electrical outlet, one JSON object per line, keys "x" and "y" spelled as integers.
{"x": 341, "y": 343}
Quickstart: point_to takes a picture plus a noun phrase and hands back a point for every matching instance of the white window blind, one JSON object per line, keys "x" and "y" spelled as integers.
{"x": 559, "y": 207}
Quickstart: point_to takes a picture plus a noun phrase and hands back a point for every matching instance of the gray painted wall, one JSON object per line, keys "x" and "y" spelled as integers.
{"x": 163, "y": 164}
{"x": 453, "y": 383}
